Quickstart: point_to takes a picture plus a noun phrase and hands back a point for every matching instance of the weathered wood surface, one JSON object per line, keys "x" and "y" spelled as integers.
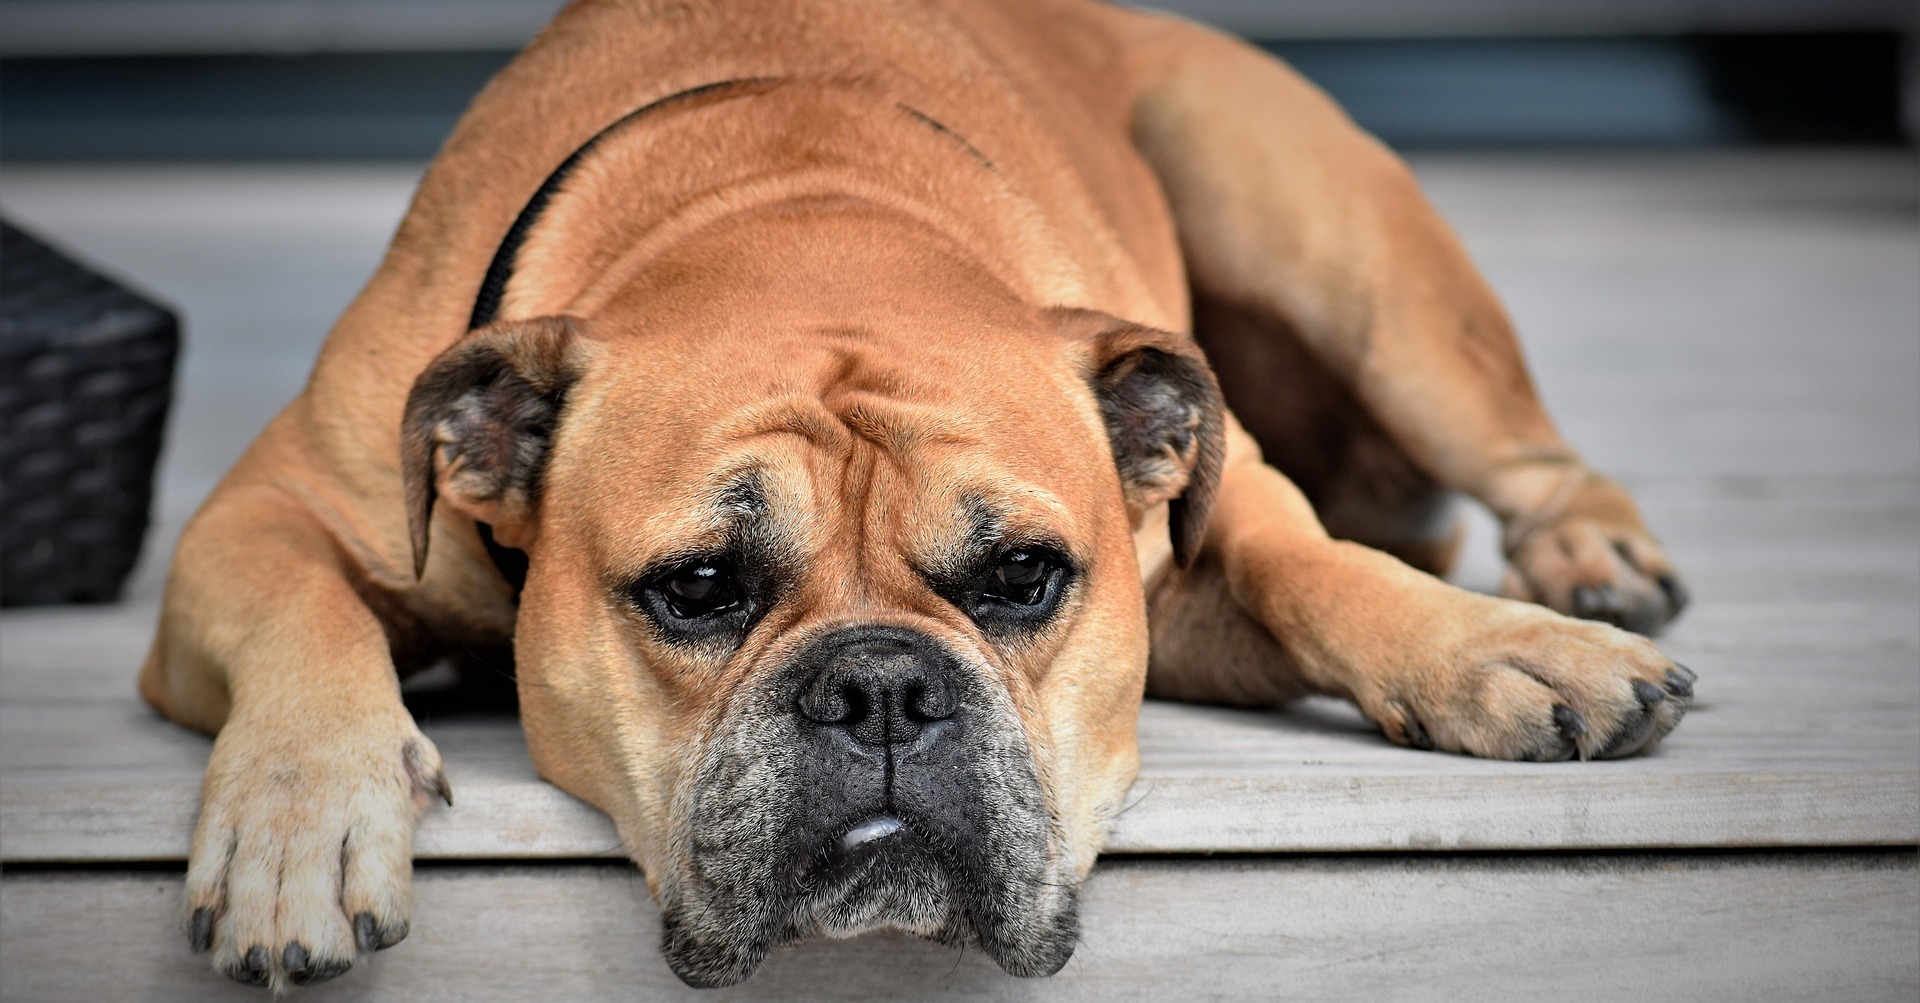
{"x": 1697, "y": 928}
{"x": 1735, "y": 336}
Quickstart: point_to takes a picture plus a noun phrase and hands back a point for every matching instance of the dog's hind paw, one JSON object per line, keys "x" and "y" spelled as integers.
{"x": 1592, "y": 558}
{"x": 302, "y": 857}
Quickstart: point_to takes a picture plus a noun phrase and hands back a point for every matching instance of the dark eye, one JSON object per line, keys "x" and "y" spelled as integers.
{"x": 699, "y": 590}
{"x": 1022, "y": 578}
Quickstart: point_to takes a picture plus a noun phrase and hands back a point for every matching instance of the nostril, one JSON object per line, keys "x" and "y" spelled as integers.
{"x": 831, "y": 701}
{"x": 929, "y": 700}
{"x": 876, "y": 689}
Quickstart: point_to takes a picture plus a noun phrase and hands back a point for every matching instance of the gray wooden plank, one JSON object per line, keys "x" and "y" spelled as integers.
{"x": 94, "y": 782}
{"x": 1699, "y": 928}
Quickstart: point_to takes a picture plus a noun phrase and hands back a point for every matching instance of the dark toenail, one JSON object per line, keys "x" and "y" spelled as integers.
{"x": 200, "y": 930}
{"x": 1416, "y": 735}
{"x": 1632, "y": 735}
{"x": 1685, "y": 673}
{"x": 320, "y": 970}
{"x": 294, "y": 958}
{"x": 255, "y": 969}
{"x": 247, "y": 976}
{"x": 1676, "y": 593}
{"x": 1647, "y": 693}
{"x": 1569, "y": 721}
{"x": 1678, "y": 684}
{"x": 370, "y": 935}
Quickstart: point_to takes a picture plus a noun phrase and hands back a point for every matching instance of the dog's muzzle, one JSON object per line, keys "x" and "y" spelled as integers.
{"x": 876, "y": 781}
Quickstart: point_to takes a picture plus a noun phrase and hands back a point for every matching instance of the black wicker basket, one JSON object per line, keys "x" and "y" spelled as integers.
{"x": 86, "y": 374}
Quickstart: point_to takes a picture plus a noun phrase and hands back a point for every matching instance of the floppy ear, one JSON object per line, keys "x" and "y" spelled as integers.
{"x": 479, "y": 422}
{"x": 1164, "y": 418}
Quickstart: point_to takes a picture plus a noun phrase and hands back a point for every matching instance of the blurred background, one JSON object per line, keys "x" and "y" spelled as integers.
{"x": 358, "y": 79}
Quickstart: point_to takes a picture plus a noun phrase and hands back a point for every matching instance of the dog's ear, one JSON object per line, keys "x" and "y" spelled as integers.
{"x": 479, "y": 422}
{"x": 1164, "y": 418}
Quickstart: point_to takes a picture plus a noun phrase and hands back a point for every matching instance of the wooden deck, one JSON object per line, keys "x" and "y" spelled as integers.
{"x": 1736, "y": 336}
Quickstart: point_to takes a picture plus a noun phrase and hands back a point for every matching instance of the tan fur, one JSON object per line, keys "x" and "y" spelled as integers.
{"x": 808, "y": 277}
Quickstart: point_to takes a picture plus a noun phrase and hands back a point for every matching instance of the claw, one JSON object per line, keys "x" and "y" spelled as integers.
{"x": 370, "y": 936}
{"x": 1633, "y": 735}
{"x": 320, "y": 972}
{"x": 1416, "y": 735}
{"x": 1676, "y": 593}
{"x": 200, "y": 930}
{"x": 1572, "y": 727}
{"x": 1648, "y": 694}
{"x": 255, "y": 969}
{"x": 1679, "y": 685}
{"x": 304, "y": 970}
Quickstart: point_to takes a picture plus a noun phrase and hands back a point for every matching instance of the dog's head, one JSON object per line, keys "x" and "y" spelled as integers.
{"x": 832, "y": 603}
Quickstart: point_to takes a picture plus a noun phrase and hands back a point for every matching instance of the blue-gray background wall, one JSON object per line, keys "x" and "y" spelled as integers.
{"x": 385, "y": 79}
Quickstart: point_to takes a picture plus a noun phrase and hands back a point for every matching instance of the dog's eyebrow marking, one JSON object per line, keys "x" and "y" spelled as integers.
{"x": 985, "y": 527}
{"x": 743, "y": 496}
{"x": 486, "y": 305}
{"x": 941, "y": 127}
{"x": 986, "y": 522}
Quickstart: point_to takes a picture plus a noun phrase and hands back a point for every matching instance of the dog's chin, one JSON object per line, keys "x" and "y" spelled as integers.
{"x": 879, "y": 876}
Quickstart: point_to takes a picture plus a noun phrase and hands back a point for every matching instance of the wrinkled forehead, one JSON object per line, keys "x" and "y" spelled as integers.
{"x": 796, "y": 438}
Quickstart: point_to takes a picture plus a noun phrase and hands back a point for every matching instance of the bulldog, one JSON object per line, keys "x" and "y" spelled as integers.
{"x": 804, "y": 390}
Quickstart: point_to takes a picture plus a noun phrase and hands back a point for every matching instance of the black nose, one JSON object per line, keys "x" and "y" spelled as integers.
{"x": 881, "y": 685}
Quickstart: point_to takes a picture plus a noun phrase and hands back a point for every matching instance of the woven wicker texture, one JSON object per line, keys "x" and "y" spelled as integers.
{"x": 86, "y": 374}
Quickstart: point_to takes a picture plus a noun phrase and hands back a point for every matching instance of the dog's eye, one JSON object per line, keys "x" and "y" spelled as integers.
{"x": 1022, "y": 577}
{"x": 699, "y": 590}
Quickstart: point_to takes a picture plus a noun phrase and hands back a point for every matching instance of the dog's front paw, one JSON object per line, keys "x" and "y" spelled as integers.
{"x": 1590, "y": 556}
{"x": 1525, "y": 683}
{"x": 303, "y": 855}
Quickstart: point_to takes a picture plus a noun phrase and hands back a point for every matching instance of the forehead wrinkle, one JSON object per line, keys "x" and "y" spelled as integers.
{"x": 790, "y": 415}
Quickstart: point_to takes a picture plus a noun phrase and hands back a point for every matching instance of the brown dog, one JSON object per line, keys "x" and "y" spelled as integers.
{"x": 811, "y": 361}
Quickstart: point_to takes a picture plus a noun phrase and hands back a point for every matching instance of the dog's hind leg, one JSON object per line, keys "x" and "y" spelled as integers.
{"x": 1272, "y": 607}
{"x": 303, "y": 850}
{"x": 1309, "y": 425}
{"x": 1297, "y": 227}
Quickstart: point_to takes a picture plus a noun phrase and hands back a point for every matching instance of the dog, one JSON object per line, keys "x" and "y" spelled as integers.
{"x": 802, "y": 388}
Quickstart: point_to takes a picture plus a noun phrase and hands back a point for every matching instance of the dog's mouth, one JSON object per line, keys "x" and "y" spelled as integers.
{"x": 798, "y": 829}
{"x": 879, "y": 872}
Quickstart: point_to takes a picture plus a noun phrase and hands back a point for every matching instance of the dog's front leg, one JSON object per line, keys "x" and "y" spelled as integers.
{"x": 1433, "y": 665}
{"x": 303, "y": 852}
